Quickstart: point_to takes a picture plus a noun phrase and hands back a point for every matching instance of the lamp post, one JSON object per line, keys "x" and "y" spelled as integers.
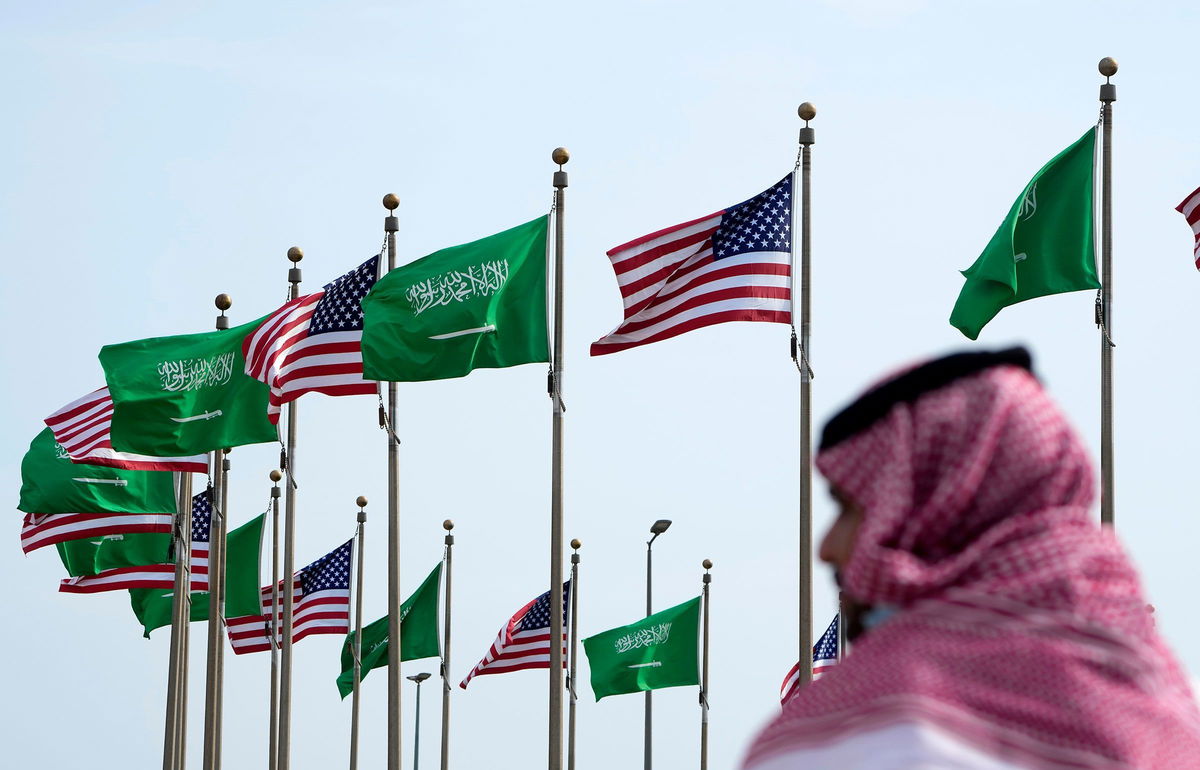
{"x": 418, "y": 678}
{"x": 656, "y": 529}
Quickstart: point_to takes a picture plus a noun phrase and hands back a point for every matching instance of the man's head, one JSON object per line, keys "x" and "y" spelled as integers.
{"x": 924, "y": 465}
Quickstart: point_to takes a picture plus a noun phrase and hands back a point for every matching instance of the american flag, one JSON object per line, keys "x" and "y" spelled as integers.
{"x": 314, "y": 342}
{"x": 734, "y": 265}
{"x": 321, "y": 605}
{"x": 825, "y": 656}
{"x": 42, "y": 529}
{"x": 524, "y": 642}
{"x": 1190, "y": 208}
{"x": 82, "y": 429}
{"x": 154, "y": 575}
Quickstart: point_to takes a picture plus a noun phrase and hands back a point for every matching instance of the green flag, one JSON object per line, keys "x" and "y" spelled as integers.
{"x": 653, "y": 653}
{"x": 242, "y": 548}
{"x": 1044, "y": 246}
{"x": 51, "y": 483}
{"x": 94, "y": 555}
{"x": 481, "y": 305}
{"x": 185, "y": 395}
{"x": 418, "y": 638}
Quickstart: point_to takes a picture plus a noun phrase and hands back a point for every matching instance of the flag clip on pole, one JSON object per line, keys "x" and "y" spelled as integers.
{"x": 807, "y": 137}
{"x": 560, "y": 156}
{"x": 572, "y": 696}
{"x": 273, "y": 627}
{"x": 176, "y": 708}
{"x": 216, "y": 576}
{"x": 1108, "y": 95}
{"x": 707, "y": 579}
{"x": 284, "y": 757}
{"x": 447, "y": 525}
{"x": 391, "y": 225}
{"x": 356, "y": 650}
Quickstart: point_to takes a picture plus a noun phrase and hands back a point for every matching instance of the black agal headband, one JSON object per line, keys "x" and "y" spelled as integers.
{"x": 874, "y": 405}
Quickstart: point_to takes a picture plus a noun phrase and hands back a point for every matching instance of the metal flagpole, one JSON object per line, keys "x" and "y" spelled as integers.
{"x": 357, "y": 648}
{"x": 575, "y": 545}
{"x": 176, "y": 713}
{"x": 284, "y": 756}
{"x": 273, "y": 627}
{"x": 221, "y": 624}
{"x": 807, "y": 136}
{"x": 707, "y": 564}
{"x": 1108, "y": 95}
{"x": 446, "y": 574}
{"x": 559, "y": 156}
{"x": 216, "y": 575}
{"x": 391, "y": 225}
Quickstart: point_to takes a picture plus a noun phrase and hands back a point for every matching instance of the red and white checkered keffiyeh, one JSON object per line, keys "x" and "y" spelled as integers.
{"x": 1022, "y": 627}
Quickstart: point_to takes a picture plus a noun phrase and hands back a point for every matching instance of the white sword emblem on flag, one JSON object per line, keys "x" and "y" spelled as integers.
{"x": 114, "y": 482}
{"x": 205, "y": 416}
{"x": 651, "y": 664}
{"x": 464, "y": 332}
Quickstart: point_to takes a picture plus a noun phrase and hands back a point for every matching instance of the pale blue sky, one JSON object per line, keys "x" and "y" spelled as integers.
{"x": 161, "y": 153}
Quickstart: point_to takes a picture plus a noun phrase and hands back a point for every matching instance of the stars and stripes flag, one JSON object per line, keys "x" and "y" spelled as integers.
{"x": 83, "y": 429}
{"x": 314, "y": 343}
{"x": 39, "y": 530}
{"x": 825, "y": 656}
{"x": 155, "y": 575}
{"x": 320, "y": 605}
{"x": 524, "y": 641}
{"x": 1190, "y": 208}
{"x": 734, "y": 265}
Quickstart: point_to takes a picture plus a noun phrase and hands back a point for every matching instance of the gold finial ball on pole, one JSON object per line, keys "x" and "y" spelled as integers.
{"x": 576, "y": 544}
{"x": 447, "y": 525}
{"x": 295, "y": 254}
{"x": 391, "y": 202}
{"x": 223, "y": 302}
{"x": 560, "y": 155}
{"x": 276, "y": 476}
{"x": 361, "y": 501}
{"x": 707, "y": 564}
{"x": 807, "y": 111}
{"x": 1108, "y": 66}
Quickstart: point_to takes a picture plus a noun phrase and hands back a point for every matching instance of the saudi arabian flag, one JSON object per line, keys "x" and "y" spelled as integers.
{"x": 1044, "y": 246}
{"x": 418, "y": 634}
{"x": 477, "y": 306}
{"x": 242, "y": 548}
{"x": 659, "y": 651}
{"x": 51, "y": 483}
{"x": 94, "y": 555}
{"x": 185, "y": 395}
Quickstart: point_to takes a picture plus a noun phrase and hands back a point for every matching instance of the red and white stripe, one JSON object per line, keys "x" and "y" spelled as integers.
{"x": 516, "y": 650}
{"x": 83, "y": 428}
{"x": 42, "y": 529}
{"x": 1190, "y": 208}
{"x": 149, "y": 576}
{"x": 670, "y": 284}
{"x": 281, "y": 354}
{"x": 321, "y": 612}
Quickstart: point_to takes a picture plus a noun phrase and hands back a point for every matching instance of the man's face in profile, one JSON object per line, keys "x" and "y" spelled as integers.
{"x": 836, "y": 548}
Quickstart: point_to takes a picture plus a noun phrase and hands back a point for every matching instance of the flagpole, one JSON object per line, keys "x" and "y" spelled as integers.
{"x": 289, "y": 553}
{"x": 447, "y": 525}
{"x": 391, "y": 225}
{"x": 1108, "y": 95}
{"x": 807, "y": 137}
{"x": 216, "y": 574}
{"x": 220, "y": 720}
{"x": 707, "y": 579}
{"x": 560, "y": 156}
{"x": 176, "y": 710}
{"x": 356, "y": 649}
{"x": 272, "y": 627}
{"x": 575, "y": 545}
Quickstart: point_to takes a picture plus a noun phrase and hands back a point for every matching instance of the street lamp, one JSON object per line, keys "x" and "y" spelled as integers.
{"x": 656, "y": 529}
{"x": 418, "y": 678}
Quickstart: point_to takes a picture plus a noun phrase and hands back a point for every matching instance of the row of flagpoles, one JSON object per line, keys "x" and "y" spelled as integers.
{"x": 653, "y": 273}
